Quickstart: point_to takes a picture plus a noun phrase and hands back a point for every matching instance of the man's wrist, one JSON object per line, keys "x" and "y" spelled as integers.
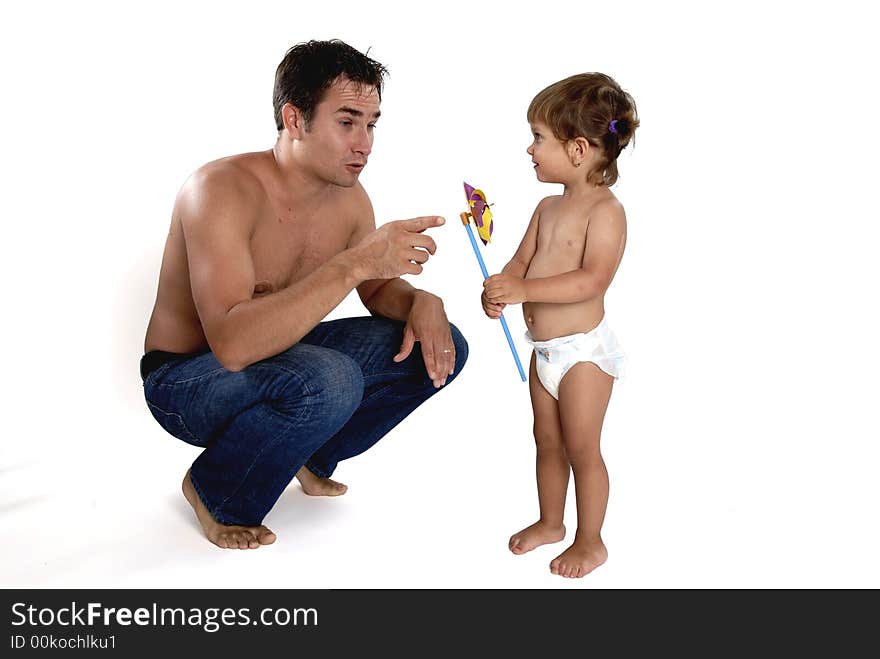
{"x": 352, "y": 268}
{"x": 421, "y": 295}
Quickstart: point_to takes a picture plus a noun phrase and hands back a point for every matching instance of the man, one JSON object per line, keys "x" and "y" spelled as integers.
{"x": 262, "y": 246}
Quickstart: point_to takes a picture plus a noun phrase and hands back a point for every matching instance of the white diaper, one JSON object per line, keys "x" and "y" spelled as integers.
{"x": 555, "y": 357}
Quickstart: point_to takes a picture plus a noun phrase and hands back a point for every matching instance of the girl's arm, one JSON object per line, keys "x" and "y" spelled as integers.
{"x": 519, "y": 263}
{"x": 606, "y": 237}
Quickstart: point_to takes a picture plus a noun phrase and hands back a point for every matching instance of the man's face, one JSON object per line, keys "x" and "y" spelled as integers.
{"x": 340, "y": 136}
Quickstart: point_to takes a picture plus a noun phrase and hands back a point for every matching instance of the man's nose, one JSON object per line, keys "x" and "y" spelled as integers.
{"x": 364, "y": 143}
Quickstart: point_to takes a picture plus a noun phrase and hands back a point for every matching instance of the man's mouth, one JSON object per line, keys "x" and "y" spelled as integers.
{"x": 357, "y": 166}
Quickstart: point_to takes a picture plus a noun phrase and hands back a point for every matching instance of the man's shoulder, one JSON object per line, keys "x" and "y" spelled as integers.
{"x": 233, "y": 175}
{"x": 231, "y": 184}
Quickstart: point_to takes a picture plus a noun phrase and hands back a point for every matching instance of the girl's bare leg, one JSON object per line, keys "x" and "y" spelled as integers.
{"x": 583, "y": 398}
{"x": 552, "y": 471}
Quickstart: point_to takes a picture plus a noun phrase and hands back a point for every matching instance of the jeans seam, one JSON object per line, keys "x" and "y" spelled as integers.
{"x": 317, "y": 471}
{"x": 384, "y": 374}
{"x": 186, "y": 429}
{"x": 198, "y": 377}
{"x": 289, "y": 425}
{"x": 378, "y": 391}
{"x": 156, "y": 372}
{"x": 218, "y": 517}
{"x": 424, "y": 380}
{"x": 325, "y": 474}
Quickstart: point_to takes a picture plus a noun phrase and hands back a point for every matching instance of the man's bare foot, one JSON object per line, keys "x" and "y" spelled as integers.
{"x": 535, "y": 535}
{"x": 580, "y": 559}
{"x": 317, "y": 486}
{"x": 227, "y": 537}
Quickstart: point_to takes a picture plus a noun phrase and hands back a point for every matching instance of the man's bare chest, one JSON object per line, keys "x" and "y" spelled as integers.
{"x": 285, "y": 251}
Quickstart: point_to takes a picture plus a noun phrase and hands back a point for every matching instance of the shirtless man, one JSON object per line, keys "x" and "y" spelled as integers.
{"x": 262, "y": 246}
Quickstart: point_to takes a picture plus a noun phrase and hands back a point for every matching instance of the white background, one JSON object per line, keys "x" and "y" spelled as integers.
{"x": 743, "y": 447}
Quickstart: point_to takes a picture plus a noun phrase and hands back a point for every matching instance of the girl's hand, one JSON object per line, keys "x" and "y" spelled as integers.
{"x": 492, "y": 310}
{"x": 505, "y": 289}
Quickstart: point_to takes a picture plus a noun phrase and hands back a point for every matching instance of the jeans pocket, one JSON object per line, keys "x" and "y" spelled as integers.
{"x": 173, "y": 424}
{"x": 157, "y": 373}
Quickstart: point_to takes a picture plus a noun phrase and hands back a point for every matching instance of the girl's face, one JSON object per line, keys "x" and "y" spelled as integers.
{"x": 549, "y": 156}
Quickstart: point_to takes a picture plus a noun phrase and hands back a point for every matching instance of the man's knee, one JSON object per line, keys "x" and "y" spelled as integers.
{"x": 326, "y": 381}
{"x": 461, "y": 350}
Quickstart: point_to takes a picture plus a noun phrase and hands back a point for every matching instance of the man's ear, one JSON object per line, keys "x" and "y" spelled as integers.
{"x": 292, "y": 118}
{"x": 578, "y": 151}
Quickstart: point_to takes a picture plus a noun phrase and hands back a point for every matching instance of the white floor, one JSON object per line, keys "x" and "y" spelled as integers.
{"x": 694, "y": 503}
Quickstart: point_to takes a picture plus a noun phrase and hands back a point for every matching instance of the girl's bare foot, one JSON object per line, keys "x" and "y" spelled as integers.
{"x": 227, "y": 537}
{"x": 317, "y": 486}
{"x": 535, "y": 535}
{"x": 579, "y": 559}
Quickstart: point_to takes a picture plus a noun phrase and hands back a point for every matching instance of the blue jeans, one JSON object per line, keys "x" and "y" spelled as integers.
{"x": 327, "y": 398}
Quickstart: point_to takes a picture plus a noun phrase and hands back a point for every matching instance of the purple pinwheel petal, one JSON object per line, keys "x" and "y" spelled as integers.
{"x": 479, "y": 207}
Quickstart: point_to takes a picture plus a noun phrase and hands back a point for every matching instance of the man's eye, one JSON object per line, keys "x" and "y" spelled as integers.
{"x": 345, "y": 123}
{"x": 371, "y": 125}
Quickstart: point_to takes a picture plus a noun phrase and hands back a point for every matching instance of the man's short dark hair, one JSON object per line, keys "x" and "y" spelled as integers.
{"x": 308, "y": 69}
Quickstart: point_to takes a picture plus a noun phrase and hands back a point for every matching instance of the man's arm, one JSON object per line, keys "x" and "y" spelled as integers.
{"x": 391, "y": 298}
{"x": 423, "y": 312}
{"x": 605, "y": 240}
{"x": 218, "y": 212}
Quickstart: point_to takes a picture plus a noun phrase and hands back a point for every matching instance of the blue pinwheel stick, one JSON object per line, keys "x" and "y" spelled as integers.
{"x": 465, "y": 219}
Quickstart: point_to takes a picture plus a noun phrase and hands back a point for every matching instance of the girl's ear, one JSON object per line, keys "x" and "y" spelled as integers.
{"x": 578, "y": 150}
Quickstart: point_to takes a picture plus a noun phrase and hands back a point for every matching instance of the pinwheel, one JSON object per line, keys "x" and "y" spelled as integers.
{"x": 478, "y": 210}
